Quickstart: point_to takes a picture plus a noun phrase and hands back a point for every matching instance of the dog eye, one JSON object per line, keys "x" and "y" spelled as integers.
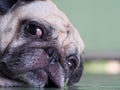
{"x": 33, "y": 29}
{"x": 72, "y": 62}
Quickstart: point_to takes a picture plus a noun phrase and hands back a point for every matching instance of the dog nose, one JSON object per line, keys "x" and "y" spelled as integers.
{"x": 53, "y": 54}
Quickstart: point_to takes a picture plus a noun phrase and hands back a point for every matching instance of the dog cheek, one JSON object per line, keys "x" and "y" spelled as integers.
{"x": 37, "y": 78}
{"x": 28, "y": 59}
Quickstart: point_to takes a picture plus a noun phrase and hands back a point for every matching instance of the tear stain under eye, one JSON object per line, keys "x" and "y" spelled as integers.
{"x": 7, "y": 41}
{"x": 8, "y": 30}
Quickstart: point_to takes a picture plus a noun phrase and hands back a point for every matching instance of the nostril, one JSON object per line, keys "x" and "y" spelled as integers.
{"x": 53, "y": 54}
{"x": 50, "y": 51}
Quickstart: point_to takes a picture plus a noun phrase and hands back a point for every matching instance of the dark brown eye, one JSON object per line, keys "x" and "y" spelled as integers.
{"x": 33, "y": 29}
{"x": 72, "y": 62}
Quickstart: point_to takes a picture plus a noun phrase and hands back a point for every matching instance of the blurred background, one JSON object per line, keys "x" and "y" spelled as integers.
{"x": 98, "y": 22}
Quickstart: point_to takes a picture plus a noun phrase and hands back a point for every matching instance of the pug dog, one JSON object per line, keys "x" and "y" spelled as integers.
{"x": 39, "y": 47}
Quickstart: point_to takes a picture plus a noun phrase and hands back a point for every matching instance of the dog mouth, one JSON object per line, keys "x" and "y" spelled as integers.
{"x": 41, "y": 69}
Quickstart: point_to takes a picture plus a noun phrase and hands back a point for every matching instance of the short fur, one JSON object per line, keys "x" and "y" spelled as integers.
{"x": 39, "y": 46}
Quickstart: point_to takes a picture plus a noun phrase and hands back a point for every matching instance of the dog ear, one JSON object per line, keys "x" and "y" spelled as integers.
{"x": 76, "y": 74}
{"x": 6, "y": 5}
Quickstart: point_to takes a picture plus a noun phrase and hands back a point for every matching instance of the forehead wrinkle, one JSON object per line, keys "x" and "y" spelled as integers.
{"x": 45, "y": 10}
{"x": 50, "y": 13}
{"x": 38, "y": 9}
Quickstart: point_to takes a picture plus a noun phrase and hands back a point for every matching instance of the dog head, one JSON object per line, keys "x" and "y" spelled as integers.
{"x": 38, "y": 45}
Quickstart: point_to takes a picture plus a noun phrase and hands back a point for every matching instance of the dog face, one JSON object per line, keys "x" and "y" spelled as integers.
{"x": 38, "y": 45}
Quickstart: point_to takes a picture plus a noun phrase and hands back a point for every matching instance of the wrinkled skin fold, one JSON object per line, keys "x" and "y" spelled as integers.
{"x": 39, "y": 47}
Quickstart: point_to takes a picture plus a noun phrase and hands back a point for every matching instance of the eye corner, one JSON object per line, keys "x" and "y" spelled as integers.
{"x": 32, "y": 28}
{"x": 44, "y": 30}
{"x": 72, "y": 61}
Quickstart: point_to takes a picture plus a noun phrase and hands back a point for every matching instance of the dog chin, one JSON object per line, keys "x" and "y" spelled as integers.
{"x": 52, "y": 76}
